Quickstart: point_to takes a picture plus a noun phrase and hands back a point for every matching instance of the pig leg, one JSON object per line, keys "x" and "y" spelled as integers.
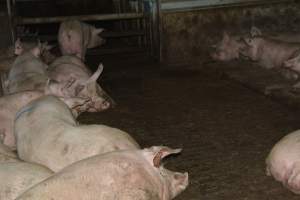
{"x": 293, "y": 182}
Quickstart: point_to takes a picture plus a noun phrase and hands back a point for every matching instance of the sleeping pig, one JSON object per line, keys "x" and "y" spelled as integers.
{"x": 48, "y": 134}
{"x": 122, "y": 175}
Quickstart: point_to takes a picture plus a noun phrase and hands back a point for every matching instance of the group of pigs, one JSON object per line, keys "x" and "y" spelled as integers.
{"x": 280, "y": 52}
{"x": 46, "y": 154}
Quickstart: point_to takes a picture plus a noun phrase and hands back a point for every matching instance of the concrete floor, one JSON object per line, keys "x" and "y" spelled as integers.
{"x": 225, "y": 129}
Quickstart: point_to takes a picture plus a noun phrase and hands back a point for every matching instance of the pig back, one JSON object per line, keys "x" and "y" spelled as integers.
{"x": 122, "y": 175}
{"x": 17, "y": 177}
{"x": 27, "y": 73}
{"x": 65, "y": 144}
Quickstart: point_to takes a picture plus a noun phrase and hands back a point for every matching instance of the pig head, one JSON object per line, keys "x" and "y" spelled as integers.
{"x": 227, "y": 49}
{"x": 283, "y": 162}
{"x": 80, "y": 82}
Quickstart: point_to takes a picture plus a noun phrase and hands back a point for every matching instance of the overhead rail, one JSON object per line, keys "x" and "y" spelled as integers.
{"x": 185, "y": 5}
{"x": 58, "y": 19}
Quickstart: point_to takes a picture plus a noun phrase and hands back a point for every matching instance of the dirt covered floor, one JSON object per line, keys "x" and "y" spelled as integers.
{"x": 225, "y": 129}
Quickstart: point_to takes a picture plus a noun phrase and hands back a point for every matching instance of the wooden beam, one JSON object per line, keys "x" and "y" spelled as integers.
{"x": 58, "y": 19}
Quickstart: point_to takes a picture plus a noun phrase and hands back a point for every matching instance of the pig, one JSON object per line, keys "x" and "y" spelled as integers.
{"x": 27, "y": 73}
{"x": 282, "y": 36}
{"x": 75, "y": 37}
{"x": 6, "y": 154}
{"x": 11, "y": 104}
{"x": 283, "y": 161}
{"x": 293, "y": 64}
{"x": 228, "y": 48}
{"x": 17, "y": 177}
{"x": 82, "y": 83}
{"x": 269, "y": 53}
{"x": 30, "y": 73}
{"x": 45, "y": 54}
{"x": 123, "y": 175}
{"x": 48, "y": 134}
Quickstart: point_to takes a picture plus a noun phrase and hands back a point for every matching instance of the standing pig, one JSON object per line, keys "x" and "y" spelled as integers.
{"x": 283, "y": 162}
{"x": 82, "y": 83}
{"x": 75, "y": 37}
{"x": 48, "y": 134}
{"x": 17, "y": 177}
{"x": 122, "y": 175}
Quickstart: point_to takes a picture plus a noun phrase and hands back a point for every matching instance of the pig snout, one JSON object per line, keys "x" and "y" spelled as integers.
{"x": 99, "y": 104}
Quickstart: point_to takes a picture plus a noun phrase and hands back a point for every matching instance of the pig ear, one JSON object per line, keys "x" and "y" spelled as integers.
{"x": 96, "y": 75}
{"x": 254, "y": 32}
{"x": 98, "y": 30}
{"x": 161, "y": 152}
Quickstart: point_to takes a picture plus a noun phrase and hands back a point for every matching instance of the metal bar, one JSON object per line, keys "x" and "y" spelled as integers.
{"x": 106, "y": 17}
{"x": 11, "y": 21}
{"x": 205, "y": 4}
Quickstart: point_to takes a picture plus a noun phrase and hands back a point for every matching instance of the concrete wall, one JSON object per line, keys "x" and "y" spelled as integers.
{"x": 186, "y": 36}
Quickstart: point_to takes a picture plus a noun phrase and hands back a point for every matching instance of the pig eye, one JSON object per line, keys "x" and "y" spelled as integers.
{"x": 78, "y": 89}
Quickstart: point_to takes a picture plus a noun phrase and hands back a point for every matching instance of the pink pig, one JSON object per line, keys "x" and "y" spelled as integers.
{"x": 81, "y": 82}
{"x": 76, "y": 37}
{"x": 283, "y": 162}
{"x": 228, "y": 48}
{"x": 126, "y": 175}
{"x": 48, "y": 134}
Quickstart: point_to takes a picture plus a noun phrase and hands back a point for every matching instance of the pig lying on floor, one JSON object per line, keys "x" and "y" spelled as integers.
{"x": 11, "y": 104}
{"x": 283, "y": 162}
{"x": 81, "y": 82}
{"x": 16, "y": 177}
{"x": 47, "y": 133}
{"x": 120, "y": 175}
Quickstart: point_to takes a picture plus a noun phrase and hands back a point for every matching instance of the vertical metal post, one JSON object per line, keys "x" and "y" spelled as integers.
{"x": 11, "y": 20}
